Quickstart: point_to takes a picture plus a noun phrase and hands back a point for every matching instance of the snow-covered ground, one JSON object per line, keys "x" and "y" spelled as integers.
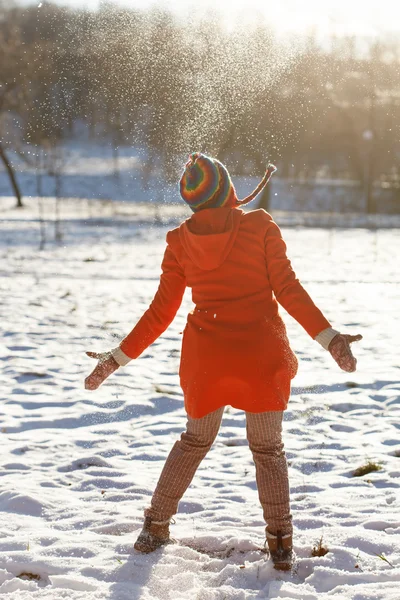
{"x": 78, "y": 468}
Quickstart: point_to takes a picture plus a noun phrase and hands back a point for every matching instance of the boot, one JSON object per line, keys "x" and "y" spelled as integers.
{"x": 280, "y": 550}
{"x": 153, "y": 535}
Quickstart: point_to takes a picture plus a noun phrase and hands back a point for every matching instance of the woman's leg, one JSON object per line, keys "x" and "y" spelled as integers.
{"x": 182, "y": 463}
{"x": 264, "y": 432}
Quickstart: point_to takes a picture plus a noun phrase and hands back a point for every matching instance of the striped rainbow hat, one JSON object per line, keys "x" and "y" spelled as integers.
{"x": 206, "y": 183}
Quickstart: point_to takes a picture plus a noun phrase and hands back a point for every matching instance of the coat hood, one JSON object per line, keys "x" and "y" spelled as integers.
{"x": 208, "y": 236}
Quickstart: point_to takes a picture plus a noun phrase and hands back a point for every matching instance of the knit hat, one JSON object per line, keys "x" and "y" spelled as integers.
{"x": 206, "y": 183}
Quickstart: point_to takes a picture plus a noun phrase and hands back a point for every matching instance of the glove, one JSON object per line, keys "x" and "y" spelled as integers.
{"x": 341, "y": 351}
{"x": 106, "y": 365}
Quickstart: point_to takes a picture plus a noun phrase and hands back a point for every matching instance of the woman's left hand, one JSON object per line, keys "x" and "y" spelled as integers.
{"x": 341, "y": 351}
{"x": 106, "y": 365}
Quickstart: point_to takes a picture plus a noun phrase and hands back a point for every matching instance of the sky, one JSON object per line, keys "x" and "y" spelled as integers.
{"x": 361, "y": 17}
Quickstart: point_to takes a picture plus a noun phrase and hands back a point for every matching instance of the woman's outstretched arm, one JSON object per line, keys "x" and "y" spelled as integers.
{"x": 152, "y": 324}
{"x": 293, "y": 297}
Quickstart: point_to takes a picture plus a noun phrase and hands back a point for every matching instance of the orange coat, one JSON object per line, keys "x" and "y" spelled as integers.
{"x": 234, "y": 349}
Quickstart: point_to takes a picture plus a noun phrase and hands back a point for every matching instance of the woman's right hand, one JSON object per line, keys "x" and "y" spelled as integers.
{"x": 341, "y": 351}
{"x": 106, "y": 365}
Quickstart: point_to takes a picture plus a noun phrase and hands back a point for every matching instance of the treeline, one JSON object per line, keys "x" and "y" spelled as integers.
{"x": 174, "y": 86}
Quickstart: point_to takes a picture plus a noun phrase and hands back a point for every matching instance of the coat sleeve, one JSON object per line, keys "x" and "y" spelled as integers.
{"x": 162, "y": 310}
{"x": 287, "y": 288}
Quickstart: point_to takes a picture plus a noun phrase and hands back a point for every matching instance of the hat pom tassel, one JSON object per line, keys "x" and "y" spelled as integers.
{"x": 268, "y": 173}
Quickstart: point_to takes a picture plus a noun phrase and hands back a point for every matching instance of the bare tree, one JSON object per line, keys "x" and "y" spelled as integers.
{"x": 11, "y": 95}
{"x": 11, "y": 174}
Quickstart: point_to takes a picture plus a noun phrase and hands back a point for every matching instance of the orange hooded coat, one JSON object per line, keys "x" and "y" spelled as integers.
{"x": 234, "y": 349}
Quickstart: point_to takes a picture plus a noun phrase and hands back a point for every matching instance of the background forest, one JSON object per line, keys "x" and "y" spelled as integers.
{"x": 325, "y": 109}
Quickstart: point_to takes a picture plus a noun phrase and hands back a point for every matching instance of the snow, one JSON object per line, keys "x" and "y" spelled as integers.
{"x": 78, "y": 467}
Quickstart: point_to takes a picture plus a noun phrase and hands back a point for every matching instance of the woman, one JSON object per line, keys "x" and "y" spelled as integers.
{"x": 234, "y": 349}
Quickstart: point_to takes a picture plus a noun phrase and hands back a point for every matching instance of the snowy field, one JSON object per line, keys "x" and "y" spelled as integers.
{"x": 78, "y": 467}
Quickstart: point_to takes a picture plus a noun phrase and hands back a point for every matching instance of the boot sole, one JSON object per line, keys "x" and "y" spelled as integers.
{"x": 144, "y": 548}
{"x": 283, "y": 567}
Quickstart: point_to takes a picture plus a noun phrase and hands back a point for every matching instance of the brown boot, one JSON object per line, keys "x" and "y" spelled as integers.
{"x": 153, "y": 535}
{"x": 280, "y": 550}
